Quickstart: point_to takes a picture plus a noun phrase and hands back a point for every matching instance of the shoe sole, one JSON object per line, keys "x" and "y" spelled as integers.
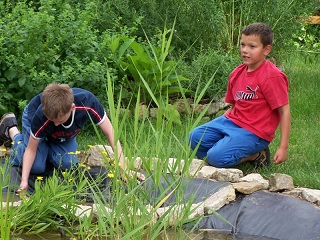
{"x": 5, "y": 116}
{"x": 266, "y": 162}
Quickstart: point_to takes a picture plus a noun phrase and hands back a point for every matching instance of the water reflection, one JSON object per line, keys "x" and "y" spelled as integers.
{"x": 11, "y": 197}
{"x": 207, "y": 234}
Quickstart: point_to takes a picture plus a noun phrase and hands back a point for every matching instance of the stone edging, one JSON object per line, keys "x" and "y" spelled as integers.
{"x": 281, "y": 183}
{"x": 238, "y": 183}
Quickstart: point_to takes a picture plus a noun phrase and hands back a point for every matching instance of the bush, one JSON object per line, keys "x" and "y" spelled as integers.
{"x": 307, "y": 38}
{"x": 217, "y": 24}
{"x": 209, "y": 64}
{"x": 47, "y": 44}
{"x": 68, "y": 41}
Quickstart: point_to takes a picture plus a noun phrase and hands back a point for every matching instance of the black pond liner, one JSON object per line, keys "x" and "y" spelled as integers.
{"x": 267, "y": 215}
{"x": 92, "y": 174}
{"x": 259, "y": 216}
{"x": 196, "y": 189}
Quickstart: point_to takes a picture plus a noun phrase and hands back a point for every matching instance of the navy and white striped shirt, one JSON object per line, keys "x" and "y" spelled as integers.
{"x": 86, "y": 104}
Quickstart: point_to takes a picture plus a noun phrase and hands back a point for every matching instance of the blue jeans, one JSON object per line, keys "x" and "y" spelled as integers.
{"x": 60, "y": 155}
{"x": 224, "y": 143}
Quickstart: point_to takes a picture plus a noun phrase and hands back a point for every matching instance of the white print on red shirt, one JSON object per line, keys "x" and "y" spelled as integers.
{"x": 247, "y": 95}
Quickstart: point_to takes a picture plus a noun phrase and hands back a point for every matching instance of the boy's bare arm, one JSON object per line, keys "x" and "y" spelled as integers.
{"x": 27, "y": 162}
{"x": 108, "y": 131}
{"x": 281, "y": 153}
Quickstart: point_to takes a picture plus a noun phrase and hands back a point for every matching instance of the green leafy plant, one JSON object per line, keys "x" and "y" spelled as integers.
{"x": 7, "y": 213}
{"x": 52, "y": 204}
{"x": 212, "y": 66}
{"x": 147, "y": 67}
{"x": 127, "y": 213}
{"x": 307, "y": 38}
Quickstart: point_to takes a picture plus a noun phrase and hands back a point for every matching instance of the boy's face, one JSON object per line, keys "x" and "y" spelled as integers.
{"x": 252, "y": 51}
{"x": 63, "y": 118}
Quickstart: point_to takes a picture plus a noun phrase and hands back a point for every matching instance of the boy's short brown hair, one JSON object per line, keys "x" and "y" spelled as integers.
{"x": 57, "y": 100}
{"x": 262, "y": 30}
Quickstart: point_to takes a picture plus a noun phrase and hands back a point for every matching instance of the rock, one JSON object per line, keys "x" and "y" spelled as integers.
{"x": 297, "y": 192}
{"x": 311, "y": 195}
{"x": 216, "y": 201}
{"x": 82, "y": 211}
{"x": 195, "y": 166}
{"x": 199, "y": 108}
{"x": 143, "y": 111}
{"x": 256, "y": 177}
{"x": 247, "y": 187}
{"x": 175, "y": 165}
{"x": 153, "y": 112}
{"x": 216, "y": 234}
{"x": 182, "y": 106}
{"x": 206, "y": 172}
{"x": 137, "y": 164}
{"x": 4, "y": 205}
{"x": 227, "y": 174}
{"x": 279, "y": 182}
{"x": 174, "y": 213}
{"x": 99, "y": 155}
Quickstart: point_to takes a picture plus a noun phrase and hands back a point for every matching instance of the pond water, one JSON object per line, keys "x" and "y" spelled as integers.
{"x": 12, "y": 197}
{"x": 43, "y": 236}
{"x": 214, "y": 234}
{"x": 170, "y": 235}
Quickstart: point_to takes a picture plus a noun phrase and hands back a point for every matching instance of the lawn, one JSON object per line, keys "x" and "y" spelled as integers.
{"x": 149, "y": 138}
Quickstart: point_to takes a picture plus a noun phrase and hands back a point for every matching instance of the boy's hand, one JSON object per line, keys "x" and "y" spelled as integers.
{"x": 22, "y": 190}
{"x": 23, "y": 187}
{"x": 280, "y": 156}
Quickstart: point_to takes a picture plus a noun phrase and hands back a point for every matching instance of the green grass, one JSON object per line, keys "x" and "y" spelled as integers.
{"x": 303, "y": 162}
{"x": 156, "y": 138}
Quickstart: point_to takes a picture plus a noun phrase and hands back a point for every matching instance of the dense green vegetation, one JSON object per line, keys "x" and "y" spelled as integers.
{"x": 133, "y": 52}
{"x": 303, "y": 155}
{"x": 80, "y": 42}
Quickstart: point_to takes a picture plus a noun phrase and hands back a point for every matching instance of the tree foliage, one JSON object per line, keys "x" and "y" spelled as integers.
{"x": 69, "y": 41}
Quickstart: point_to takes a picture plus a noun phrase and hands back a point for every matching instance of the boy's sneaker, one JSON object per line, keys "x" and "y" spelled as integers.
{"x": 263, "y": 158}
{"x": 7, "y": 121}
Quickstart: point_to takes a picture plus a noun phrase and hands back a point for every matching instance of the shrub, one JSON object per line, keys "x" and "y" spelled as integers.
{"x": 209, "y": 64}
{"x": 307, "y": 37}
{"x": 217, "y": 24}
{"x": 67, "y": 41}
{"x": 45, "y": 44}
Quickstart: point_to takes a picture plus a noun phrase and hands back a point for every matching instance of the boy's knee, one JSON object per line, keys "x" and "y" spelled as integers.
{"x": 214, "y": 162}
{"x": 217, "y": 161}
{"x": 194, "y": 138}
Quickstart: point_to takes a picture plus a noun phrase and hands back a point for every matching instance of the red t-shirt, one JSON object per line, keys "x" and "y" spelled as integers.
{"x": 256, "y": 96}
